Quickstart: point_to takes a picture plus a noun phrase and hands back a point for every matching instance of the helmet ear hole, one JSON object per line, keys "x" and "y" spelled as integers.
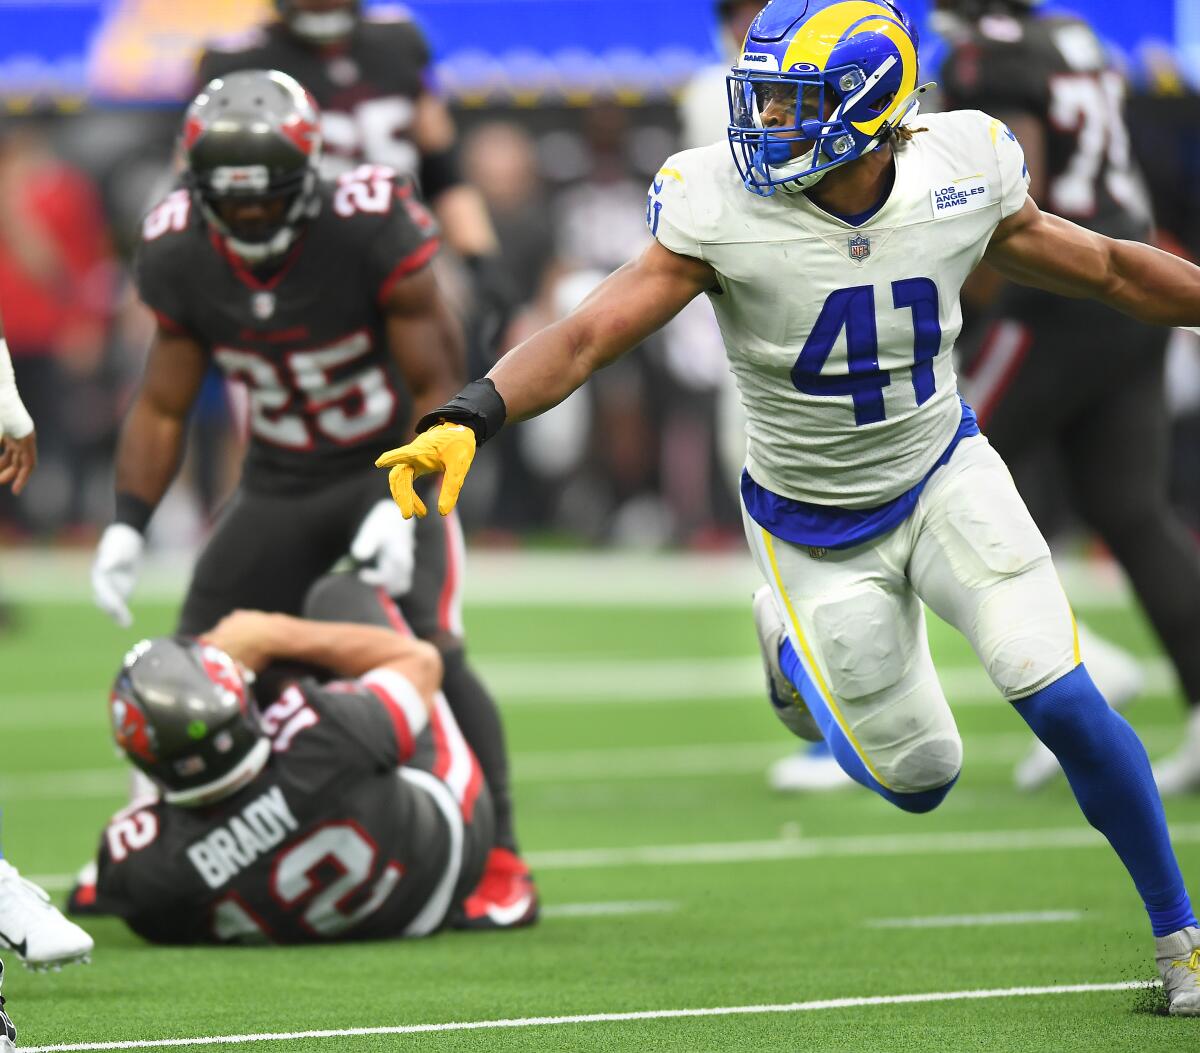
{"x": 882, "y": 102}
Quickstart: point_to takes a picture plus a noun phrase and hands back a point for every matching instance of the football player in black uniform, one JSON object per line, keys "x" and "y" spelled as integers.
{"x": 1072, "y": 375}
{"x": 318, "y": 298}
{"x": 350, "y": 809}
{"x": 372, "y": 78}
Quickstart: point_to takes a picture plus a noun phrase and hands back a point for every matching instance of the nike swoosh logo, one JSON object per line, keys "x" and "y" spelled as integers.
{"x": 507, "y": 915}
{"x": 13, "y": 945}
{"x": 658, "y": 185}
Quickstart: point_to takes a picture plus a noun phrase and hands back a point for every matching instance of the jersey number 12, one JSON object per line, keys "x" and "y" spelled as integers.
{"x": 854, "y": 310}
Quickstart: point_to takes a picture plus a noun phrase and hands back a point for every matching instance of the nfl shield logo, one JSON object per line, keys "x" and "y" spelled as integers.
{"x": 263, "y": 305}
{"x": 860, "y": 248}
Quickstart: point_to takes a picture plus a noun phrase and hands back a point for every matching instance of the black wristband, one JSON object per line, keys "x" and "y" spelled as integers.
{"x": 133, "y": 511}
{"x": 478, "y": 406}
{"x": 438, "y": 172}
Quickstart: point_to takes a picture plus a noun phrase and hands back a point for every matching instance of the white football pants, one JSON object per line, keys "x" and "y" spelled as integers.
{"x": 972, "y": 552}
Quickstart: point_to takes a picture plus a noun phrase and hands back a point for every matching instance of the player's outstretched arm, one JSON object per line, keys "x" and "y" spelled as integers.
{"x": 148, "y": 455}
{"x": 18, "y": 440}
{"x": 346, "y": 649}
{"x": 1047, "y": 252}
{"x": 629, "y": 305}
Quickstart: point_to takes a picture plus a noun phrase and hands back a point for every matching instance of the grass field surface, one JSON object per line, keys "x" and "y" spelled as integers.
{"x": 687, "y": 907}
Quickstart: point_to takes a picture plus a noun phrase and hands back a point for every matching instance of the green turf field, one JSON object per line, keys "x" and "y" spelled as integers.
{"x": 673, "y": 879}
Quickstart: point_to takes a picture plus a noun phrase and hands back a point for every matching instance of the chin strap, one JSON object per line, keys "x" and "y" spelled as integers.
{"x": 305, "y": 207}
{"x": 260, "y": 251}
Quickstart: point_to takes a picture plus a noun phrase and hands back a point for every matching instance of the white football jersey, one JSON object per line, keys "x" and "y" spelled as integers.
{"x": 839, "y": 336}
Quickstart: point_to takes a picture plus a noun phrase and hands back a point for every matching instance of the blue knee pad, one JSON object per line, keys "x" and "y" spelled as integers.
{"x": 844, "y": 753}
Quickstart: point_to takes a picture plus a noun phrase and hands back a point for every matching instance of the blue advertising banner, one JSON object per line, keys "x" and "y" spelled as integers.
{"x": 519, "y": 51}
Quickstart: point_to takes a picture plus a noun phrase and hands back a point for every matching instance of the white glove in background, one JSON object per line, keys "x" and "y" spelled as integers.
{"x": 386, "y": 544}
{"x": 115, "y": 569}
{"x": 15, "y": 422}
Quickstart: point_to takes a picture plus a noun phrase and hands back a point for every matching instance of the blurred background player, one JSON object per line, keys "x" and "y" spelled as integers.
{"x": 56, "y": 282}
{"x": 29, "y": 924}
{"x": 704, "y": 119}
{"x": 365, "y": 769}
{"x": 372, "y": 78}
{"x": 319, "y": 297}
{"x": 1073, "y": 381}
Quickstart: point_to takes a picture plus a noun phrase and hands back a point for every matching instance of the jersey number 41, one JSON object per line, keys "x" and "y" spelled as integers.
{"x": 854, "y": 311}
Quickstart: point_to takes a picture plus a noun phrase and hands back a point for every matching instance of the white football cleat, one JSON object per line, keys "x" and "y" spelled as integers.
{"x": 1117, "y": 675}
{"x": 806, "y": 772}
{"x": 33, "y": 927}
{"x": 1178, "y": 960}
{"x": 1180, "y": 772}
{"x": 785, "y": 700}
{"x": 8, "y": 1033}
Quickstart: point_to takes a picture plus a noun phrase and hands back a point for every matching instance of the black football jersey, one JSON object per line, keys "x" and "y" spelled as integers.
{"x": 334, "y": 839}
{"x": 1056, "y": 69}
{"x": 307, "y": 338}
{"x": 366, "y": 88}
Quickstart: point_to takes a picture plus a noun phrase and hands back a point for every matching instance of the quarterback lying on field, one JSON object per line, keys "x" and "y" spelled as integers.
{"x": 833, "y": 249}
{"x": 350, "y": 808}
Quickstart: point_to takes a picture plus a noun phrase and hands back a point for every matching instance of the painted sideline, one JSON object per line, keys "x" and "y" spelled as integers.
{"x": 608, "y": 1018}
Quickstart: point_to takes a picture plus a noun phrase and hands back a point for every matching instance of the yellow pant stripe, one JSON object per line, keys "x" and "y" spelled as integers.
{"x": 818, "y": 679}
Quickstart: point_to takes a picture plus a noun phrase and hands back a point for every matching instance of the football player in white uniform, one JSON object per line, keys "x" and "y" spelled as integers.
{"x": 29, "y": 924}
{"x": 833, "y": 249}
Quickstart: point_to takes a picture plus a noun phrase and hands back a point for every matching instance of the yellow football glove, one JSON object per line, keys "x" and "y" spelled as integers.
{"x": 448, "y": 448}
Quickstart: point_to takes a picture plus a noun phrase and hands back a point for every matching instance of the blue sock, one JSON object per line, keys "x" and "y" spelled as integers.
{"x": 844, "y": 753}
{"x": 817, "y": 750}
{"x": 1109, "y": 773}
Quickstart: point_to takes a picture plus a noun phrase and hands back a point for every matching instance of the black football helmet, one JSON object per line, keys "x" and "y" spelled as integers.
{"x": 321, "y": 22}
{"x": 254, "y": 135}
{"x": 182, "y": 713}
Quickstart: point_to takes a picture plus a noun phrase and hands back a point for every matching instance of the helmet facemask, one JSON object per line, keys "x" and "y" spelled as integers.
{"x": 283, "y": 207}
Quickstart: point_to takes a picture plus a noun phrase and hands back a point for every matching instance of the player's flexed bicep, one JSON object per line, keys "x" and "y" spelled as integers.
{"x": 1035, "y": 248}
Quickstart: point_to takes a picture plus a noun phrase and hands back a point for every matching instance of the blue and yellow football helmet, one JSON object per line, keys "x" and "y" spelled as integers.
{"x": 819, "y": 83}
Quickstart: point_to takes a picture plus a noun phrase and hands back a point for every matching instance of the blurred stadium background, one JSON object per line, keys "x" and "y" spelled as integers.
{"x": 631, "y": 692}
{"x": 566, "y": 107}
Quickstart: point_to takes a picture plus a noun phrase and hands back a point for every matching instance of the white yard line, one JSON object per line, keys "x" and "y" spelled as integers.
{"x": 618, "y": 763}
{"x": 535, "y": 681}
{"x": 609, "y": 908}
{"x": 955, "y": 921}
{"x": 607, "y": 1018}
{"x": 864, "y": 845}
{"x": 837, "y": 847}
